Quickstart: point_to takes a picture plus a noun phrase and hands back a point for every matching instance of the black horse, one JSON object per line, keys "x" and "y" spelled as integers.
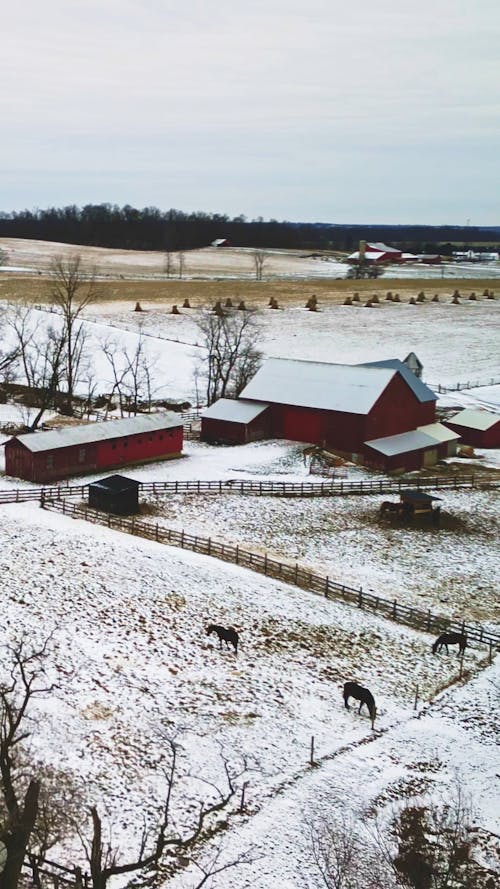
{"x": 446, "y": 639}
{"x": 353, "y": 690}
{"x": 225, "y": 634}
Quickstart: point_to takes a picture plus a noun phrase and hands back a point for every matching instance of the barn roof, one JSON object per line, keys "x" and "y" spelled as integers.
{"x": 116, "y": 484}
{"x": 439, "y": 432}
{"x": 481, "y": 420}
{"x": 91, "y": 432}
{"x": 234, "y": 411}
{"x": 422, "y": 392}
{"x": 349, "y": 388}
{"x": 403, "y": 443}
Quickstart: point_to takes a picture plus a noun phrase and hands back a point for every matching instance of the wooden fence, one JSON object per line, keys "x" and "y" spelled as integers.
{"x": 267, "y": 488}
{"x": 42, "y": 872}
{"x": 457, "y": 387}
{"x": 270, "y": 566}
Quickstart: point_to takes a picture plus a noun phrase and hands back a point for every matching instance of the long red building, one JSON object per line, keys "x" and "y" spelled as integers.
{"x": 75, "y": 450}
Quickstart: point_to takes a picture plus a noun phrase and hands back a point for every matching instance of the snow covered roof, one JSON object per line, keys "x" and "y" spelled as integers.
{"x": 352, "y": 389}
{"x": 392, "y": 445}
{"x": 383, "y": 248}
{"x": 234, "y": 411}
{"x": 422, "y": 392}
{"x": 481, "y": 420}
{"x": 370, "y": 255}
{"x": 90, "y": 432}
{"x": 439, "y": 432}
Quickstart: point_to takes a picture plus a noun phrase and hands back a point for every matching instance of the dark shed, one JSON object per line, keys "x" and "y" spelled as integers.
{"x": 115, "y": 494}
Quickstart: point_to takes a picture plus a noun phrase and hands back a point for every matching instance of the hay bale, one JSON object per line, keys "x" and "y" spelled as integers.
{"x": 412, "y": 301}
{"x": 375, "y": 298}
{"x": 388, "y": 296}
{"x": 348, "y": 301}
{"x": 274, "y": 303}
{"x": 241, "y": 306}
{"x": 456, "y": 293}
{"x": 175, "y": 311}
{"x": 473, "y": 296}
{"x": 421, "y": 297}
{"x": 396, "y": 298}
{"x": 486, "y": 292}
{"x": 355, "y": 298}
{"x": 491, "y": 295}
{"x": 229, "y": 303}
{"x": 368, "y": 304}
{"x": 186, "y": 304}
{"x": 455, "y": 301}
{"x": 435, "y": 298}
{"x": 218, "y": 308}
{"x": 138, "y": 308}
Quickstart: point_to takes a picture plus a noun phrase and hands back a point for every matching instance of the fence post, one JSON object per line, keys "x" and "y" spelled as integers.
{"x": 395, "y": 609}
{"x": 209, "y": 545}
{"x": 360, "y": 597}
{"x": 237, "y": 553}
{"x": 156, "y": 532}
{"x": 311, "y": 754}
{"x": 265, "y": 563}
{"x": 416, "y": 698}
{"x": 296, "y": 572}
{"x": 242, "y": 800}
{"x": 327, "y": 586}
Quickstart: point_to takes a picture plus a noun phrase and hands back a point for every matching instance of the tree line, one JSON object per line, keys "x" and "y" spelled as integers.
{"x": 127, "y": 227}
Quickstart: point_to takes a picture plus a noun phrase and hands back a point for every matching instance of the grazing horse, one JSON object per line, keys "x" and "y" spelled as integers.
{"x": 446, "y": 639}
{"x": 225, "y": 634}
{"x": 353, "y": 690}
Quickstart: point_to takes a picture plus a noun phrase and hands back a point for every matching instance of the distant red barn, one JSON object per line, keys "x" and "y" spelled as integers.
{"x": 59, "y": 453}
{"x": 481, "y": 429}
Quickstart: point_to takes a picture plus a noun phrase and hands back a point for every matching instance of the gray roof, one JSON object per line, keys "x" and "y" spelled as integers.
{"x": 403, "y": 443}
{"x": 422, "y": 392}
{"x": 91, "y": 432}
{"x": 352, "y": 389}
{"x": 474, "y": 419}
{"x": 233, "y": 411}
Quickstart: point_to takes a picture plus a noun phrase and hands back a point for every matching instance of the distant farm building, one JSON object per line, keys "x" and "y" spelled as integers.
{"x": 346, "y": 408}
{"x": 378, "y": 252}
{"x": 481, "y": 429}
{"x": 221, "y": 242}
{"x": 59, "y": 453}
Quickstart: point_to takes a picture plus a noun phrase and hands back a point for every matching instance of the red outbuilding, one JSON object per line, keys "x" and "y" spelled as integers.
{"x": 339, "y": 406}
{"x": 75, "y": 450}
{"x": 481, "y": 429}
{"x": 235, "y": 421}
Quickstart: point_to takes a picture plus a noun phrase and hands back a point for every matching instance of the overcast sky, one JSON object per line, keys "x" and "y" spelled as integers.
{"x": 313, "y": 110}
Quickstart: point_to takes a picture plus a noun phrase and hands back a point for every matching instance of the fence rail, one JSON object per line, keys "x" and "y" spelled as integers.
{"x": 266, "y": 488}
{"x": 289, "y": 573}
{"x": 457, "y": 387}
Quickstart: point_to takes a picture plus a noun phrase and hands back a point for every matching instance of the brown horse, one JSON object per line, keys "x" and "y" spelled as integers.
{"x": 446, "y": 639}
{"x": 353, "y": 690}
{"x": 225, "y": 634}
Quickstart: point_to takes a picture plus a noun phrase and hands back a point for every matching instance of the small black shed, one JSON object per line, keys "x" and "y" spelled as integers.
{"x": 116, "y": 494}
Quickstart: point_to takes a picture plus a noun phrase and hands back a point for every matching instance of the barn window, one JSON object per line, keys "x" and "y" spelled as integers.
{"x": 161, "y": 437}
{"x": 50, "y": 461}
{"x": 125, "y": 442}
{"x": 151, "y": 438}
{"x": 81, "y": 455}
{"x": 113, "y": 446}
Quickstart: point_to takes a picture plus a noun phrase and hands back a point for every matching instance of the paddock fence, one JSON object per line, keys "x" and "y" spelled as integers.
{"x": 457, "y": 387}
{"x": 267, "y": 488}
{"x": 271, "y": 566}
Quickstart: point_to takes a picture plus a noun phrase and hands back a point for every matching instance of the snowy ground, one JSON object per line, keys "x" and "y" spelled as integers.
{"x": 129, "y": 616}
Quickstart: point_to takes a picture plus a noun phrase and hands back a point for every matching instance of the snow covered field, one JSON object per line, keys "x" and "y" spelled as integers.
{"x": 128, "y": 617}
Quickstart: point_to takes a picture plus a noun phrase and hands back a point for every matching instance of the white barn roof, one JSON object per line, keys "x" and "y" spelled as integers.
{"x": 403, "y": 443}
{"x": 91, "y": 432}
{"x": 439, "y": 432}
{"x": 352, "y": 389}
{"x": 481, "y": 420}
{"x": 234, "y": 411}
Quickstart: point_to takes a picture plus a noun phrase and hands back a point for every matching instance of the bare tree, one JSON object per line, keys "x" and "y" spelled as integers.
{"x": 182, "y": 263}
{"x": 231, "y": 356}
{"x": 72, "y": 289}
{"x": 168, "y": 263}
{"x": 132, "y": 374}
{"x": 8, "y": 356}
{"x": 104, "y": 860}
{"x": 259, "y": 259}
{"x": 20, "y": 792}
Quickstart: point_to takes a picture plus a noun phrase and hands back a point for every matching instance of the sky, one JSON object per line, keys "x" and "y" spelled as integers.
{"x": 378, "y": 111}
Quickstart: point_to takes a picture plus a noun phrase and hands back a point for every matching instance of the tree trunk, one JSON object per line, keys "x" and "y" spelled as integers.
{"x": 16, "y": 842}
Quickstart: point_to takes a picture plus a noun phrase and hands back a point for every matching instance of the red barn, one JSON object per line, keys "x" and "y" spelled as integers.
{"x": 235, "y": 422}
{"x": 481, "y": 429}
{"x": 75, "y": 450}
{"x": 339, "y": 406}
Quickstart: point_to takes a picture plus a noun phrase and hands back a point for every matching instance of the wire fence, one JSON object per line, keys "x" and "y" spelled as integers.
{"x": 271, "y": 566}
{"x": 341, "y": 488}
